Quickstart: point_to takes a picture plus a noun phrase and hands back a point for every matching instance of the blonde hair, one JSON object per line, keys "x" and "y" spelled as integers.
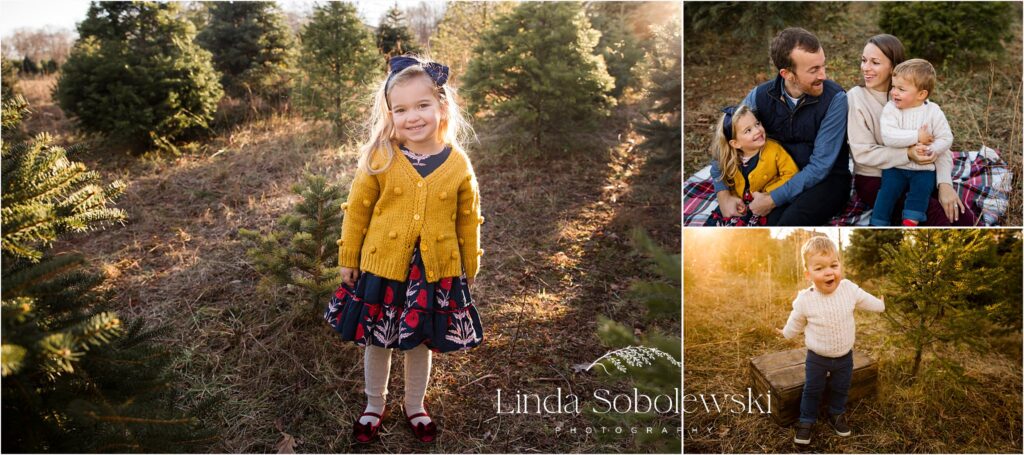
{"x": 727, "y": 156}
{"x": 453, "y": 128}
{"x": 919, "y": 72}
{"x": 818, "y": 244}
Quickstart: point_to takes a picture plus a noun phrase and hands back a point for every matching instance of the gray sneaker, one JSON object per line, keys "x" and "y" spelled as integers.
{"x": 803, "y": 433}
{"x": 838, "y": 423}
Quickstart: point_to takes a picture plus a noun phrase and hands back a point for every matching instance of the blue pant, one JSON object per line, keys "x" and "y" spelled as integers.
{"x": 917, "y": 184}
{"x": 840, "y": 373}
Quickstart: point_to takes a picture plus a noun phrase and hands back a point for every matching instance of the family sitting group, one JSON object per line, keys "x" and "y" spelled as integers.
{"x": 782, "y": 156}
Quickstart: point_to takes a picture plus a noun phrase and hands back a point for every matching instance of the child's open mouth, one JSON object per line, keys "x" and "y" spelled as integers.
{"x": 830, "y": 282}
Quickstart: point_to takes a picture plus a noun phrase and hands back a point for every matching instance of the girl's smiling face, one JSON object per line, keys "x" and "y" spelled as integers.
{"x": 824, "y": 271}
{"x": 876, "y": 68}
{"x": 416, "y": 112}
{"x": 749, "y": 134}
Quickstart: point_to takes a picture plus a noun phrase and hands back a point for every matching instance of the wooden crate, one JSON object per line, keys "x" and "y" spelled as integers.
{"x": 782, "y": 373}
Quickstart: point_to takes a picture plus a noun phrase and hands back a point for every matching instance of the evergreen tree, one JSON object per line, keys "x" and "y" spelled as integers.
{"x": 136, "y": 74}
{"x": 252, "y": 47}
{"x": 931, "y": 280}
{"x": 14, "y": 106}
{"x": 536, "y": 68}
{"x": 50, "y": 66}
{"x": 29, "y": 66}
{"x": 74, "y": 380}
{"x": 304, "y": 252}
{"x": 393, "y": 35}
{"x": 652, "y": 360}
{"x": 339, "y": 58}
{"x": 663, "y": 114}
{"x": 9, "y": 79}
{"x": 863, "y": 258}
{"x": 621, "y": 50}
{"x": 460, "y": 30}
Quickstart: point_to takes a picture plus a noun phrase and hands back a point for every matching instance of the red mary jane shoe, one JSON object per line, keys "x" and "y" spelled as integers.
{"x": 365, "y": 432}
{"x": 423, "y": 433}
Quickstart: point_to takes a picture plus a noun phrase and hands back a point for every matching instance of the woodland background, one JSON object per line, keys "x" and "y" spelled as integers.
{"x": 171, "y": 180}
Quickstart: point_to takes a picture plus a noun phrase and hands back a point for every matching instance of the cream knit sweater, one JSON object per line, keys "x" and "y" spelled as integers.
{"x": 864, "y": 131}
{"x": 827, "y": 320}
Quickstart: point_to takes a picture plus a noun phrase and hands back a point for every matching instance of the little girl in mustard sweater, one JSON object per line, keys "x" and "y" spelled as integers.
{"x": 749, "y": 162}
{"x": 410, "y": 241}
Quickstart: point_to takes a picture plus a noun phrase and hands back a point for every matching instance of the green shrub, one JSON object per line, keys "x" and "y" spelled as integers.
{"x": 253, "y": 49}
{"x": 338, "y": 58}
{"x": 137, "y": 75}
{"x": 758, "y": 20}
{"x": 393, "y": 34}
{"x": 304, "y": 252}
{"x": 76, "y": 377}
{"x": 940, "y": 31}
{"x": 535, "y": 69}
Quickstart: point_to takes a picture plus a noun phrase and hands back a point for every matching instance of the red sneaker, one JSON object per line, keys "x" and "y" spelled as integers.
{"x": 364, "y": 432}
{"x": 909, "y": 223}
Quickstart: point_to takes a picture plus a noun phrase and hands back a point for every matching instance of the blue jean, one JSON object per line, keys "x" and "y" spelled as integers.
{"x": 917, "y": 184}
{"x": 840, "y": 374}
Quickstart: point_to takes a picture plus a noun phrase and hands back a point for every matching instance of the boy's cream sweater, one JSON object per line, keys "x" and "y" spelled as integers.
{"x": 864, "y": 131}
{"x": 827, "y": 320}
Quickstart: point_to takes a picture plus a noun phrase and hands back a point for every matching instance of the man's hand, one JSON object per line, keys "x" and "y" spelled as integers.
{"x": 780, "y": 332}
{"x": 923, "y": 136}
{"x": 762, "y": 204}
{"x": 730, "y": 205}
{"x": 469, "y": 281}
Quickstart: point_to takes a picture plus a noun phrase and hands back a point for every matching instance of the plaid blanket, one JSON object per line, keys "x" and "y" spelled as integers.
{"x": 981, "y": 178}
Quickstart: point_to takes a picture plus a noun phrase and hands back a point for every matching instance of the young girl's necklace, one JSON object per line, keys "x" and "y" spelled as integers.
{"x": 415, "y": 158}
{"x": 746, "y": 159}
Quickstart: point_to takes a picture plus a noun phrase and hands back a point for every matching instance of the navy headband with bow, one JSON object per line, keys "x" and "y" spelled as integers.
{"x": 727, "y": 121}
{"x": 437, "y": 72}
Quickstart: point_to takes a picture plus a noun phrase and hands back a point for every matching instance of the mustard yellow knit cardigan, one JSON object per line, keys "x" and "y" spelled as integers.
{"x": 387, "y": 212}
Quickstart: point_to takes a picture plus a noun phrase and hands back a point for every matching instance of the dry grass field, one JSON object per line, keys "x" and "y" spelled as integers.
{"x": 731, "y": 318}
{"x": 557, "y": 256}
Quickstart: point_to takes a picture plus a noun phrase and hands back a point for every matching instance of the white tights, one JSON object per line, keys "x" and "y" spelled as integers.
{"x": 377, "y": 369}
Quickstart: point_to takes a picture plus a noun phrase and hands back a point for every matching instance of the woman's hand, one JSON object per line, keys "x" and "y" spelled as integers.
{"x": 469, "y": 281}
{"x": 349, "y": 276}
{"x": 730, "y": 205}
{"x": 920, "y": 154}
{"x": 923, "y": 136}
{"x": 951, "y": 202}
{"x": 780, "y": 332}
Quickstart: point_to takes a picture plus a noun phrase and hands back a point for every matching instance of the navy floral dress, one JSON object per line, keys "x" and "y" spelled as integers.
{"x": 405, "y": 314}
{"x": 747, "y": 218}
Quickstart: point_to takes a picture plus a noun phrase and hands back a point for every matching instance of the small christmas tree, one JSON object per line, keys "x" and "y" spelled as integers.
{"x": 339, "y": 58}
{"x": 929, "y": 288}
{"x": 536, "y": 68}
{"x": 663, "y": 114}
{"x": 136, "y": 74}
{"x": 253, "y": 49}
{"x": 460, "y": 30}
{"x": 652, "y": 360}
{"x": 863, "y": 258}
{"x": 618, "y": 45}
{"x": 304, "y": 253}
{"x": 73, "y": 379}
{"x": 393, "y": 35}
